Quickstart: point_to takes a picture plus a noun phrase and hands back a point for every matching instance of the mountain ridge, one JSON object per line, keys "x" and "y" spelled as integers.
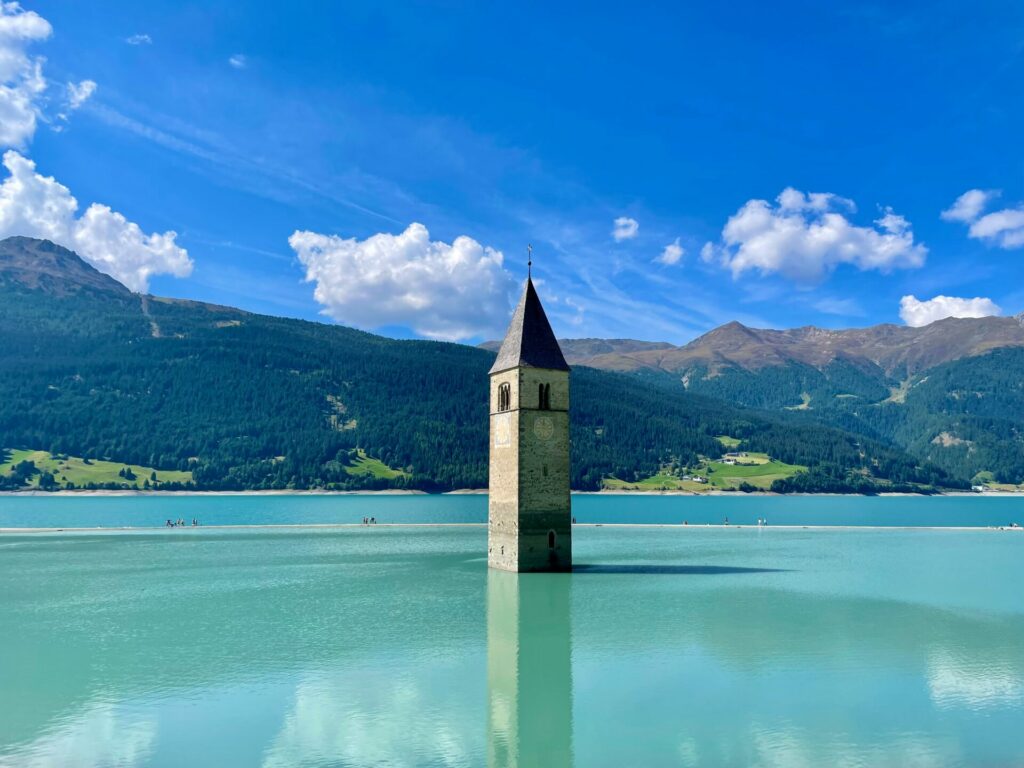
{"x": 897, "y": 350}
{"x": 43, "y": 265}
{"x": 951, "y": 393}
{"x": 247, "y": 401}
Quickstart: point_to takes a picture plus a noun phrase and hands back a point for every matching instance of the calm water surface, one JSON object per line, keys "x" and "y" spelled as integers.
{"x": 391, "y": 646}
{"x": 117, "y": 511}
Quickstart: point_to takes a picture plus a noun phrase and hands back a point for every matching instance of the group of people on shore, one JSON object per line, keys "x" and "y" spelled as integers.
{"x": 180, "y": 523}
{"x": 761, "y": 522}
{"x": 369, "y": 521}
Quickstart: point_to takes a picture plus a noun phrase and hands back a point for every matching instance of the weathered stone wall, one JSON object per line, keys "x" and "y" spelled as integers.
{"x": 529, "y": 478}
{"x": 503, "y": 498}
{"x": 530, "y": 378}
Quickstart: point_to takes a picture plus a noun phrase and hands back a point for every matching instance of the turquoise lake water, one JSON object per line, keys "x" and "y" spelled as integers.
{"x": 396, "y": 646}
{"x": 146, "y": 511}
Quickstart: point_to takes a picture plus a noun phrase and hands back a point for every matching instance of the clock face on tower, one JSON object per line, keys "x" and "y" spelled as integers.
{"x": 543, "y": 428}
{"x": 502, "y": 430}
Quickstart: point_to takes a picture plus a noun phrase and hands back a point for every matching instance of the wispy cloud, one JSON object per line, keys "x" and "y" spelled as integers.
{"x": 1003, "y": 228}
{"x": 79, "y": 93}
{"x": 257, "y": 175}
{"x": 139, "y": 39}
{"x": 846, "y": 307}
{"x": 969, "y": 205}
{"x": 680, "y": 312}
{"x": 238, "y": 61}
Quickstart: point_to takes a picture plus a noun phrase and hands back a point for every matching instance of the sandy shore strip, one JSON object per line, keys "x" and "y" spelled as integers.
{"x": 343, "y": 526}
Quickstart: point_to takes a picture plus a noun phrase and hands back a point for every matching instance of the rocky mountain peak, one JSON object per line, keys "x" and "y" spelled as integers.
{"x": 45, "y": 266}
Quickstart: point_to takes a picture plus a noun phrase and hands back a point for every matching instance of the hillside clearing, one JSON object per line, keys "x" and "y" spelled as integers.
{"x": 75, "y": 470}
{"x": 364, "y": 465}
{"x": 755, "y": 469}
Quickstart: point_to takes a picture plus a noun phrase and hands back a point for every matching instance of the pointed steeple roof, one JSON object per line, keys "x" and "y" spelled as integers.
{"x": 529, "y": 340}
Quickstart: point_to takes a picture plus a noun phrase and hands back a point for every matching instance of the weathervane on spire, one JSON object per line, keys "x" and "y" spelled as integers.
{"x": 529, "y": 261}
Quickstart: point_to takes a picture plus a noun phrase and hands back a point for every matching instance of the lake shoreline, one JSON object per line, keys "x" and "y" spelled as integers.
{"x": 483, "y": 492}
{"x": 345, "y": 526}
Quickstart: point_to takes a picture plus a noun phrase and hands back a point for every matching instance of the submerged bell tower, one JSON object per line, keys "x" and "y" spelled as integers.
{"x": 529, "y": 525}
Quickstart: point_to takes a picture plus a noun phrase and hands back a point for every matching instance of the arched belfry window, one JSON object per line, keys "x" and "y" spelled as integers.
{"x": 544, "y": 398}
{"x": 504, "y": 397}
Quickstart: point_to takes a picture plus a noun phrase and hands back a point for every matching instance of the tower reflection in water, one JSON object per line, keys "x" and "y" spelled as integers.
{"x": 529, "y": 670}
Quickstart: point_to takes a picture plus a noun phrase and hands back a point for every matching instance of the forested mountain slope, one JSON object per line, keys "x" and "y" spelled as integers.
{"x": 950, "y": 393}
{"x": 248, "y": 401}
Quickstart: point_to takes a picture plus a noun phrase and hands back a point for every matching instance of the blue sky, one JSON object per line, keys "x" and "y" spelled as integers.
{"x": 292, "y": 147}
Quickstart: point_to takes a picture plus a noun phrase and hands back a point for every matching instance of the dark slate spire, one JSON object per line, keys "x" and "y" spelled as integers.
{"x": 529, "y": 341}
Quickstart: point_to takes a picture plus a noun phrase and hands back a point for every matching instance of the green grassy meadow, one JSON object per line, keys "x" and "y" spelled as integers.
{"x": 75, "y": 470}
{"x": 757, "y": 469}
{"x": 663, "y": 481}
{"x": 367, "y": 465}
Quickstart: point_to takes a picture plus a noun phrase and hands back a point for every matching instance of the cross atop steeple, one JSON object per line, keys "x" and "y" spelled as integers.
{"x": 529, "y": 341}
{"x": 529, "y": 261}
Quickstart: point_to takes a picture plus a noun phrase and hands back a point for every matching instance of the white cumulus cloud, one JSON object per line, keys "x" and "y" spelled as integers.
{"x": 916, "y": 313}
{"x": 79, "y": 93}
{"x": 625, "y": 228}
{"x": 21, "y": 75}
{"x": 39, "y": 206}
{"x": 805, "y": 236}
{"x": 140, "y": 39}
{"x": 1004, "y": 228}
{"x": 672, "y": 253}
{"x": 440, "y": 290}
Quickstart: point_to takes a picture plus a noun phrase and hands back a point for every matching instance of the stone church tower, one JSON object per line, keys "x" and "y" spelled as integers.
{"x": 529, "y": 514}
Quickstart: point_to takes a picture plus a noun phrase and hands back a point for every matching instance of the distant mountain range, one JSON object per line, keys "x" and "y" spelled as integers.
{"x": 951, "y": 393}
{"x": 244, "y": 401}
{"x": 898, "y": 351}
